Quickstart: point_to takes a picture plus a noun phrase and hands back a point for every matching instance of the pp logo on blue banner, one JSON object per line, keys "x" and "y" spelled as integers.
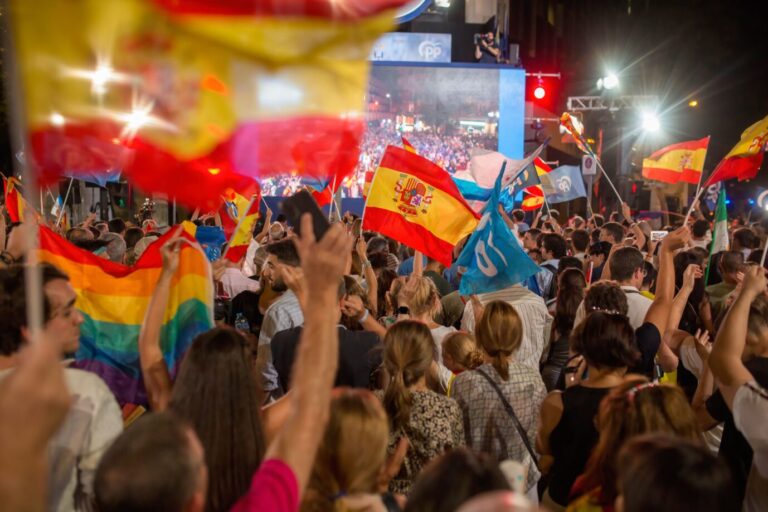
{"x": 430, "y": 50}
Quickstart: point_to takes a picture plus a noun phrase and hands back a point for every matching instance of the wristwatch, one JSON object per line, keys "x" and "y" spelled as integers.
{"x": 7, "y": 258}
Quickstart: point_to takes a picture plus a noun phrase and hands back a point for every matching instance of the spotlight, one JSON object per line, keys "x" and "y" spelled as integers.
{"x": 693, "y": 103}
{"x": 610, "y": 82}
{"x": 651, "y": 122}
{"x": 539, "y": 92}
{"x": 762, "y": 200}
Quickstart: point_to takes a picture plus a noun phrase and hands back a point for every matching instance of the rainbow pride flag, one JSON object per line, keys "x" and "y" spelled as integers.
{"x": 114, "y": 298}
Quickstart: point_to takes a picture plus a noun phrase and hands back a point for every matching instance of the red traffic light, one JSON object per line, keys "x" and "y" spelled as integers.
{"x": 539, "y": 92}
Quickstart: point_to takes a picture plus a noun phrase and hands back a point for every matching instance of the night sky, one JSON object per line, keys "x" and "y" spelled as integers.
{"x": 713, "y": 51}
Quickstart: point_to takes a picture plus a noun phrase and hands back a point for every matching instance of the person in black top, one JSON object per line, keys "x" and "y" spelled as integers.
{"x": 359, "y": 353}
{"x": 486, "y": 49}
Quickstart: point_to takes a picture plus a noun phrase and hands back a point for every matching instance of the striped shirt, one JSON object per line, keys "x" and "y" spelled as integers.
{"x": 533, "y": 313}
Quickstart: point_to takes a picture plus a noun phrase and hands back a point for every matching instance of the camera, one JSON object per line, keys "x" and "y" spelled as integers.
{"x": 478, "y": 38}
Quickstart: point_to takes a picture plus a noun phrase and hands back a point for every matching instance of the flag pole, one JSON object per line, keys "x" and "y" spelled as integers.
{"x": 608, "y": 179}
{"x": 33, "y": 285}
{"x": 64, "y": 204}
{"x": 333, "y": 192}
{"x": 690, "y": 210}
{"x": 765, "y": 250}
{"x": 239, "y": 225}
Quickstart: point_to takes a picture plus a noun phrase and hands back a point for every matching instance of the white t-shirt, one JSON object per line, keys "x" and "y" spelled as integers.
{"x": 750, "y": 414}
{"x": 438, "y": 335}
{"x": 74, "y": 452}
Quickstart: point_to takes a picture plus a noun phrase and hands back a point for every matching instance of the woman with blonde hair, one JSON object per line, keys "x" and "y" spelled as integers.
{"x": 501, "y": 398}
{"x": 422, "y": 300}
{"x": 351, "y": 459}
{"x": 431, "y": 422}
{"x": 634, "y": 408}
{"x": 460, "y": 353}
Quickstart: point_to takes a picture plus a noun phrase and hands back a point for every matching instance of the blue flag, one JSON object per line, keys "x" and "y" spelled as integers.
{"x": 563, "y": 184}
{"x": 492, "y": 256}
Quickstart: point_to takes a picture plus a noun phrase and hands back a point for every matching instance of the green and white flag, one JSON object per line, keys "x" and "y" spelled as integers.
{"x": 720, "y": 232}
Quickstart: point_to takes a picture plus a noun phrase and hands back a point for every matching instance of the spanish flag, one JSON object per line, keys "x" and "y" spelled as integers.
{"x": 417, "y": 203}
{"x": 239, "y": 218}
{"x": 533, "y": 199}
{"x": 113, "y": 300}
{"x": 14, "y": 202}
{"x": 408, "y": 146}
{"x": 746, "y": 157}
{"x": 185, "y": 95}
{"x": 679, "y": 162}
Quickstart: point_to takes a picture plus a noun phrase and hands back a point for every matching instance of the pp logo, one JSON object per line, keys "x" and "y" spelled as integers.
{"x": 563, "y": 184}
{"x": 430, "y": 50}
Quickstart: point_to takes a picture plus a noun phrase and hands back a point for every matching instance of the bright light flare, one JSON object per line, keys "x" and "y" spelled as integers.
{"x": 539, "y": 92}
{"x": 651, "y": 122}
{"x": 611, "y": 81}
{"x": 693, "y": 103}
{"x": 57, "y": 119}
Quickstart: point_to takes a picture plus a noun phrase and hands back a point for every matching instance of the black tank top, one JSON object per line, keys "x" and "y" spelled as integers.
{"x": 573, "y": 438}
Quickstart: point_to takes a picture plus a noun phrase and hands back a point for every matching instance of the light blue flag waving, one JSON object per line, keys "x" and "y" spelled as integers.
{"x": 563, "y": 184}
{"x": 492, "y": 256}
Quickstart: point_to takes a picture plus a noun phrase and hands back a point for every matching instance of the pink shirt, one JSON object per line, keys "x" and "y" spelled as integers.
{"x": 274, "y": 487}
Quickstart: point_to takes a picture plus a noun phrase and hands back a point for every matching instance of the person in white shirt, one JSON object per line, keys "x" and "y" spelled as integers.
{"x": 625, "y": 266}
{"x": 94, "y": 419}
{"x": 743, "y": 332}
{"x": 533, "y": 313}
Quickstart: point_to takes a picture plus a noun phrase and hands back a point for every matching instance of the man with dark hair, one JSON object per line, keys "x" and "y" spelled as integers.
{"x": 596, "y": 221}
{"x": 699, "y": 232}
{"x": 284, "y": 313}
{"x": 79, "y": 234}
{"x": 626, "y": 267}
{"x": 580, "y": 241}
{"x": 731, "y": 267}
{"x": 553, "y": 248}
{"x": 518, "y": 217}
{"x": 598, "y": 255}
{"x": 612, "y": 232}
{"x": 744, "y": 240}
{"x": 531, "y": 239}
{"x": 157, "y": 464}
{"x": 94, "y": 419}
{"x": 117, "y": 225}
{"x": 359, "y": 351}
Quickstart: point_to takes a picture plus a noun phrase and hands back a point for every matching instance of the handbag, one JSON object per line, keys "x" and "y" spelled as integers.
{"x": 511, "y": 413}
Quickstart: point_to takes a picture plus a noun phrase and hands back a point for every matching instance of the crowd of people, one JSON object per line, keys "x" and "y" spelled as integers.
{"x": 451, "y": 152}
{"x": 347, "y": 373}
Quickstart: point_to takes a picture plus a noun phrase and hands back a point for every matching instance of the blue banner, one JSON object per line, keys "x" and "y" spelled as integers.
{"x": 563, "y": 184}
{"x": 493, "y": 257}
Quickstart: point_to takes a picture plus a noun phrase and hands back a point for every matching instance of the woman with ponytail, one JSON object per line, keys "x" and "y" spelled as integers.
{"x": 499, "y": 389}
{"x": 431, "y": 422}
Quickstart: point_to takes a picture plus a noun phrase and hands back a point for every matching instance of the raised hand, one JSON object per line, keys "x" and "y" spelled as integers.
{"x": 692, "y": 272}
{"x": 676, "y": 239}
{"x": 754, "y": 281}
{"x": 170, "y": 252}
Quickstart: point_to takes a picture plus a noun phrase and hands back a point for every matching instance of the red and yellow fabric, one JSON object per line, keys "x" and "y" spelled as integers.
{"x": 746, "y": 157}
{"x": 14, "y": 202}
{"x": 567, "y": 122}
{"x": 238, "y": 220}
{"x": 679, "y": 162}
{"x": 186, "y": 95}
{"x": 532, "y": 201}
{"x": 322, "y": 197}
{"x": 415, "y": 202}
{"x": 408, "y": 146}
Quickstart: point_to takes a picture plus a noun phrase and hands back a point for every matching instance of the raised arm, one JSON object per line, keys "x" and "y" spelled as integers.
{"x": 370, "y": 276}
{"x": 317, "y": 359}
{"x": 154, "y": 369}
{"x": 725, "y": 359}
{"x": 658, "y": 314}
{"x": 265, "y": 228}
{"x": 671, "y": 338}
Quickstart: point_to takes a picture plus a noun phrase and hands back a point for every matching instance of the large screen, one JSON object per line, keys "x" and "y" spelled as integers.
{"x": 445, "y": 111}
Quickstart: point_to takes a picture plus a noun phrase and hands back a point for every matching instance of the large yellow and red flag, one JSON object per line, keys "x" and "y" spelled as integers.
{"x": 14, "y": 202}
{"x": 414, "y": 201}
{"x": 746, "y": 157}
{"x": 679, "y": 162}
{"x": 187, "y": 96}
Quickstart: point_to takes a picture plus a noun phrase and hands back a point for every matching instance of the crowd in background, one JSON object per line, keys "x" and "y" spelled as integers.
{"x": 348, "y": 373}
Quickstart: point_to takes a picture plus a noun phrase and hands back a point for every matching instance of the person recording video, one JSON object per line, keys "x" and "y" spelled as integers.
{"x": 486, "y": 49}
